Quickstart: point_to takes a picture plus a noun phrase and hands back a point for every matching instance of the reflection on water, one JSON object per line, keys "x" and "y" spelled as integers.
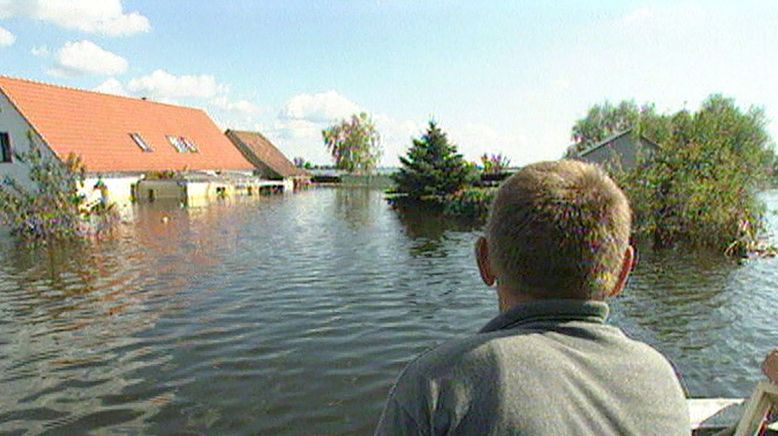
{"x": 291, "y": 313}
{"x": 428, "y": 229}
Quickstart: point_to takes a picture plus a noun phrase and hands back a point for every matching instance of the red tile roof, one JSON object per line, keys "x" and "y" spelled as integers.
{"x": 263, "y": 154}
{"x": 97, "y": 127}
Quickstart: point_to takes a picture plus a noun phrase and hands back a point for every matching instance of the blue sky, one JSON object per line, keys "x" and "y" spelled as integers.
{"x": 509, "y": 77}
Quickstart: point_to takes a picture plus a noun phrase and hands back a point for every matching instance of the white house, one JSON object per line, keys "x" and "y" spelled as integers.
{"x": 122, "y": 141}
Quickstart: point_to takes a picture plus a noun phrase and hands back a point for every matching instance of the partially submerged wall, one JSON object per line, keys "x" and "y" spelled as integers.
{"x": 200, "y": 192}
{"x": 118, "y": 189}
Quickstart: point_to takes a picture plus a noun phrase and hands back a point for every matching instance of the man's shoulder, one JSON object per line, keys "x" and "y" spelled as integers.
{"x": 452, "y": 353}
{"x": 467, "y": 380}
{"x": 525, "y": 347}
{"x": 477, "y": 352}
{"x": 458, "y": 362}
{"x": 647, "y": 354}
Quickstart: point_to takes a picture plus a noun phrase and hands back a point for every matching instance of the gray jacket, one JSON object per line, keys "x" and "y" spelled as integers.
{"x": 541, "y": 368}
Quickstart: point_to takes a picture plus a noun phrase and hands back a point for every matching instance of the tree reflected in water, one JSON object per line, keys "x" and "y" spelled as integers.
{"x": 352, "y": 205}
{"x": 429, "y": 228}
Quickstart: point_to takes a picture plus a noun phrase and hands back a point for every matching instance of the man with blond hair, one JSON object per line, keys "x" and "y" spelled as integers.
{"x": 556, "y": 247}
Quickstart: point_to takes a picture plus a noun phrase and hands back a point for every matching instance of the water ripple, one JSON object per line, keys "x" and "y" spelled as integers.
{"x": 285, "y": 314}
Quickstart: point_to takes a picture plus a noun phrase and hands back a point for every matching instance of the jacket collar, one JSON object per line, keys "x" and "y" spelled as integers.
{"x": 549, "y": 310}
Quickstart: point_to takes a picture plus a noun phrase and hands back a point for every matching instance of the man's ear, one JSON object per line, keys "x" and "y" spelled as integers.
{"x": 482, "y": 258}
{"x": 626, "y": 267}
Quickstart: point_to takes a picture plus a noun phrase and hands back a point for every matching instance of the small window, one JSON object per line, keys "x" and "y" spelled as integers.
{"x": 177, "y": 143}
{"x": 182, "y": 145}
{"x": 140, "y": 142}
{"x": 5, "y": 145}
{"x": 190, "y": 145}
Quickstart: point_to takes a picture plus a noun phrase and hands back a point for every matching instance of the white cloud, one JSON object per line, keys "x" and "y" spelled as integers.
{"x": 6, "y": 38}
{"x": 561, "y": 84}
{"x": 41, "y": 51}
{"x": 105, "y": 17}
{"x": 396, "y": 136}
{"x": 243, "y": 107}
{"x": 111, "y": 86}
{"x": 163, "y": 85}
{"x": 300, "y": 121}
{"x": 86, "y": 57}
{"x": 202, "y": 91}
{"x": 295, "y": 138}
{"x": 235, "y": 114}
{"x": 321, "y": 107}
{"x": 639, "y": 15}
{"x": 298, "y": 129}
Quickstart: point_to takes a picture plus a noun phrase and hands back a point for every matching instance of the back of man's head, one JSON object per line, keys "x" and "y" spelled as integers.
{"x": 559, "y": 230}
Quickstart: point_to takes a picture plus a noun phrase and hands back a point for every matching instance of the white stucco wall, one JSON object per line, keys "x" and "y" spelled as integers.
{"x": 119, "y": 189}
{"x": 288, "y": 185}
{"x": 201, "y": 193}
{"x": 12, "y": 122}
{"x": 197, "y": 193}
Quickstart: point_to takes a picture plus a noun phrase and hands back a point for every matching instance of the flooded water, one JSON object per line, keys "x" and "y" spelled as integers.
{"x": 294, "y": 314}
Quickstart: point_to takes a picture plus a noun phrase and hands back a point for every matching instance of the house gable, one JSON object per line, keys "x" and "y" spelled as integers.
{"x": 622, "y": 149}
{"x": 18, "y": 132}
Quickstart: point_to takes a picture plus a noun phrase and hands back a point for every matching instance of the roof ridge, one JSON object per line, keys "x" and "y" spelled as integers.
{"x": 606, "y": 140}
{"x": 91, "y": 91}
{"x": 252, "y": 132}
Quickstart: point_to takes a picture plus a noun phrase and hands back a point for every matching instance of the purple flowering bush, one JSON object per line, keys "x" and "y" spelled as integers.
{"x": 52, "y": 208}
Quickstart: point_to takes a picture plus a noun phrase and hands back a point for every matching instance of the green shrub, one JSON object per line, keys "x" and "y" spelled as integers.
{"x": 469, "y": 202}
{"x": 494, "y": 163}
{"x": 53, "y": 209}
{"x": 700, "y": 188}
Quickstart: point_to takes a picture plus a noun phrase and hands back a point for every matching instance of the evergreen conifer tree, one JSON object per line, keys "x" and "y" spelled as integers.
{"x": 432, "y": 167}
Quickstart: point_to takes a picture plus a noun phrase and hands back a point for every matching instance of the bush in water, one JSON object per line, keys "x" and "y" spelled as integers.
{"x": 53, "y": 208}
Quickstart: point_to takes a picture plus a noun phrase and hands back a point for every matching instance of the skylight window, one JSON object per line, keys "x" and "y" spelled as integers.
{"x": 140, "y": 142}
{"x": 190, "y": 145}
{"x": 182, "y": 145}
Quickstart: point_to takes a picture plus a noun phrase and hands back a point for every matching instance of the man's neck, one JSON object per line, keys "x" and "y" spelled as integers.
{"x": 508, "y": 299}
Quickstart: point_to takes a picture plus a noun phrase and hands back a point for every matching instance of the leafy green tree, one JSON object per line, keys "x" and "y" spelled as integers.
{"x": 355, "y": 144}
{"x": 700, "y": 187}
{"x": 606, "y": 119}
{"x": 773, "y": 182}
{"x": 432, "y": 167}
